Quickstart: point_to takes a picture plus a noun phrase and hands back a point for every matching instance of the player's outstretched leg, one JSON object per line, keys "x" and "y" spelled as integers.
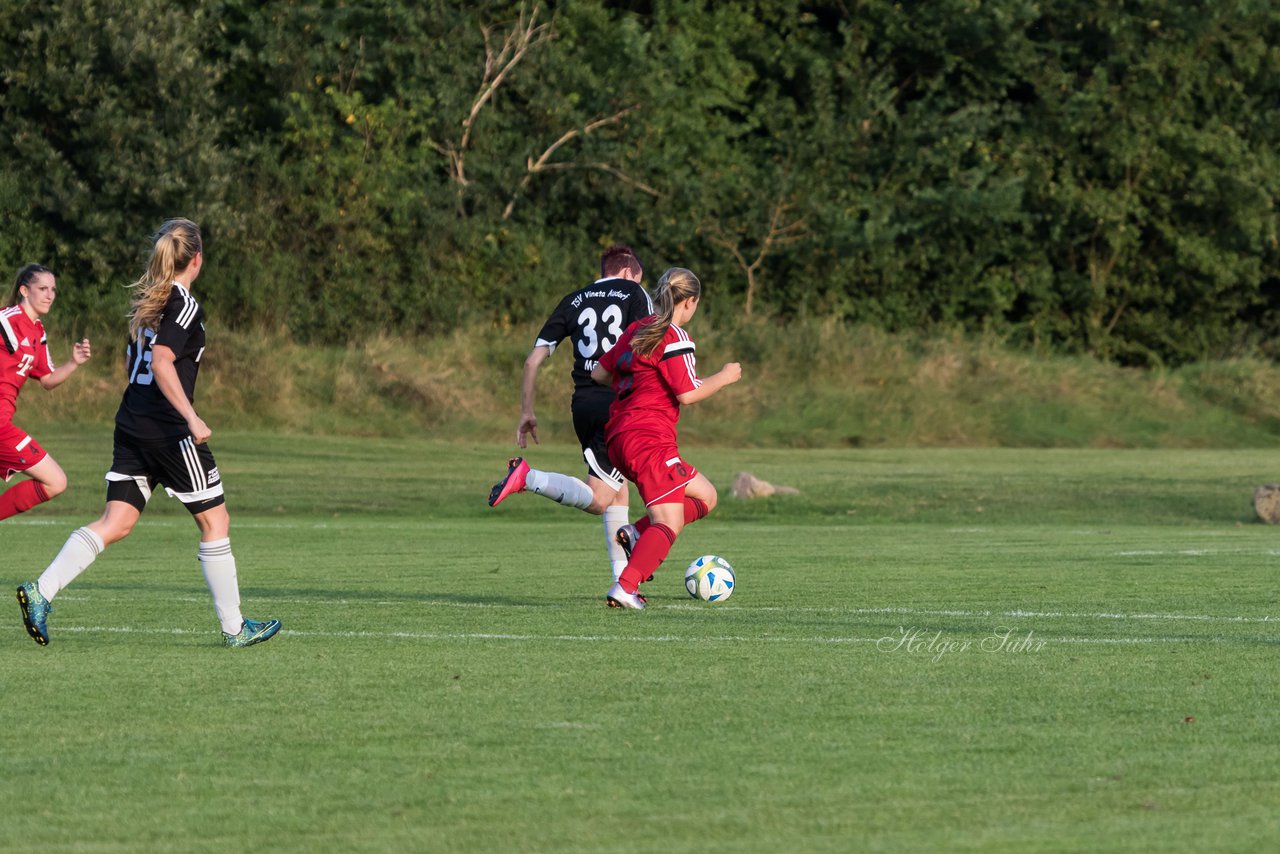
{"x": 517, "y": 469}
{"x": 252, "y": 632}
{"x": 35, "y": 612}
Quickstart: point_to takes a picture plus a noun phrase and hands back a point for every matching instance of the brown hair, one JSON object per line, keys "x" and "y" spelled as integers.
{"x": 618, "y": 258}
{"x": 26, "y": 277}
{"x": 176, "y": 244}
{"x": 675, "y": 286}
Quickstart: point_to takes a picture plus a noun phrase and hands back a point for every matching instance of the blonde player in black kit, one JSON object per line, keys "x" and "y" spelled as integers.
{"x": 159, "y": 440}
{"x": 593, "y": 319}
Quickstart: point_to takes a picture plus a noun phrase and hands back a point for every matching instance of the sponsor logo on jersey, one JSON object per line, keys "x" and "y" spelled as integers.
{"x": 214, "y": 477}
{"x": 611, "y": 294}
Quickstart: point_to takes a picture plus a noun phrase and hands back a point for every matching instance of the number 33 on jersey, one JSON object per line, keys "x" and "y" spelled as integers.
{"x": 594, "y": 318}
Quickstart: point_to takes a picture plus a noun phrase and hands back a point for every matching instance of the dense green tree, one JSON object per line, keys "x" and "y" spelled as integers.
{"x": 1072, "y": 175}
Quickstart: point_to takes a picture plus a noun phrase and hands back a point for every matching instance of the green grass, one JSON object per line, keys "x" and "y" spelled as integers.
{"x": 449, "y": 680}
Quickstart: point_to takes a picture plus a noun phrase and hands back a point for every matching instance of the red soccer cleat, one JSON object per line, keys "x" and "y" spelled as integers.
{"x": 517, "y": 468}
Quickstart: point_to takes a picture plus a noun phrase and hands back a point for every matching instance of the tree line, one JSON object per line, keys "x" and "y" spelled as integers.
{"x": 1079, "y": 176}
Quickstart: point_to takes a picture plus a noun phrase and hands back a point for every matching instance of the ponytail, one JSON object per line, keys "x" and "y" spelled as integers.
{"x": 675, "y": 286}
{"x": 175, "y": 245}
{"x": 26, "y": 277}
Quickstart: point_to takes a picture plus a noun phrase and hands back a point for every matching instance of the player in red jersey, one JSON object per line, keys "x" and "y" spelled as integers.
{"x": 653, "y": 372}
{"x": 24, "y": 355}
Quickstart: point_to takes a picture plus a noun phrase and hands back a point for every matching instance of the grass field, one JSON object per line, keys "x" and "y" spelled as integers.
{"x": 927, "y": 650}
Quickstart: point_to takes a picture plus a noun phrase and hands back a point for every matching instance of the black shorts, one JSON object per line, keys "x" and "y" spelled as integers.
{"x": 186, "y": 470}
{"x": 590, "y": 414}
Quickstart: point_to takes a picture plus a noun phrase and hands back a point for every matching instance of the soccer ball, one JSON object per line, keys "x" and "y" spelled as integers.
{"x": 709, "y": 578}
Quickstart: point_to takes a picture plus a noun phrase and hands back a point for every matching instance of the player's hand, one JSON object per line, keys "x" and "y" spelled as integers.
{"x": 527, "y": 429}
{"x": 732, "y": 372}
{"x": 200, "y": 431}
{"x": 81, "y": 352}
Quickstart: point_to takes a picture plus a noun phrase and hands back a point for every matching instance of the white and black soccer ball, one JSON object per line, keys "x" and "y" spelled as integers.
{"x": 710, "y": 578}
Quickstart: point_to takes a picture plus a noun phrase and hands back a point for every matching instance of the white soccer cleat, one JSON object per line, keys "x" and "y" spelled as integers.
{"x": 627, "y": 537}
{"x": 619, "y": 598}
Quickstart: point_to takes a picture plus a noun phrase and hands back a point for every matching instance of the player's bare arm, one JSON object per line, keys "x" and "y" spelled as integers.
{"x": 80, "y": 354}
{"x": 528, "y": 426}
{"x": 166, "y": 375}
{"x": 601, "y": 375}
{"x": 728, "y": 375}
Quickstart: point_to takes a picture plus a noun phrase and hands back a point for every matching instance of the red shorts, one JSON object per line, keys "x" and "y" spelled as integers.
{"x": 18, "y": 451}
{"x": 655, "y": 468}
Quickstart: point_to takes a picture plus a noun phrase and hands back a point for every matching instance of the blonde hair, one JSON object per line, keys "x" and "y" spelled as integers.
{"x": 176, "y": 244}
{"x": 675, "y": 286}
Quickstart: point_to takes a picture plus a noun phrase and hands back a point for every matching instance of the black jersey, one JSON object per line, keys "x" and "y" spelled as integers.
{"x": 593, "y": 318}
{"x": 144, "y": 412}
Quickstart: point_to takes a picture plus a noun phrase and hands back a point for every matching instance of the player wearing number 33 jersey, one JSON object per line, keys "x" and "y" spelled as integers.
{"x": 592, "y": 319}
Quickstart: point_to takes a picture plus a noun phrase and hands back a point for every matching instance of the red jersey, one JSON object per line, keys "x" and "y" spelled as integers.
{"x": 24, "y": 352}
{"x": 646, "y": 386}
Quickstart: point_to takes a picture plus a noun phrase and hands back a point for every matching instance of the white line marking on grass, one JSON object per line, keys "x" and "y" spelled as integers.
{"x": 1016, "y": 613}
{"x": 1191, "y": 552}
{"x": 527, "y": 638}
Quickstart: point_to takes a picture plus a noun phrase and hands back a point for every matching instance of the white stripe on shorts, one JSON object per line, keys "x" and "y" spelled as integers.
{"x": 195, "y": 471}
{"x": 613, "y": 478}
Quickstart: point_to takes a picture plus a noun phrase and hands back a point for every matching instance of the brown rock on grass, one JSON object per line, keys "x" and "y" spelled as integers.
{"x": 1266, "y": 503}
{"x": 747, "y": 485}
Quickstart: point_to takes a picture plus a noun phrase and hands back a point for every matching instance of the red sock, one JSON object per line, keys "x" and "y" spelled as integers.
{"x": 694, "y": 509}
{"x": 22, "y": 498}
{"x": 652, "y": 550}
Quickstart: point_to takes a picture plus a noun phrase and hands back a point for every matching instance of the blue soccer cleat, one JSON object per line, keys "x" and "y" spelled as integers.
{"x": 35, "y": 612}
{"x": 252, "y": 632}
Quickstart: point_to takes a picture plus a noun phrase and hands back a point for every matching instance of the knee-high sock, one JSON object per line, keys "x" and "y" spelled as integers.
{"x": 560, "y": 488}
{"x": 219, "y": 567}
{"x": 694, "y": 509}
{"x": 652, "y": 550}
{"x": 614, "y": 518}
{"x": 22, "y": 497}
{"x": 81, "y": 549}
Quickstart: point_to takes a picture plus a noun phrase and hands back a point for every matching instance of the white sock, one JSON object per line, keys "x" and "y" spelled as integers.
{"x": 560, "y": 488}
{"x": 219, "y": 567}
{"x": 81, "y": 549}
{"x": 615, "y": 516}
